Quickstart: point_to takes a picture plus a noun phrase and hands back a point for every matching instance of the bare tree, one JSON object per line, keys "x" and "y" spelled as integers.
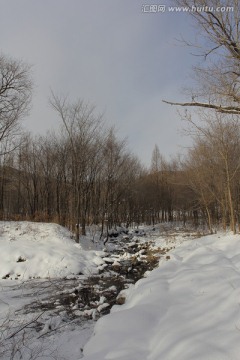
{"x": 82, "y": 128}
{"x": 15, "y": 96}
{"x": 218, "y": 76}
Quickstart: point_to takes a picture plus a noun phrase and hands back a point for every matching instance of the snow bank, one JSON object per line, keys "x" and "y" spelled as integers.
{"x": 40, "y": 250}
{"x": 188, "y": 308}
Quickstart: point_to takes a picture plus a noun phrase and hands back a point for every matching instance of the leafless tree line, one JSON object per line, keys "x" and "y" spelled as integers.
{"x": 78, "y": 177}
{"x": 80, "y": 180}
{"x": 84, "y": 175}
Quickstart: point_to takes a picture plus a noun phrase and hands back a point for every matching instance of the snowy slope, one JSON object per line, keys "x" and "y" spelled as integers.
{"x": 42, "y": 250}
{"x": 187, "y": 309}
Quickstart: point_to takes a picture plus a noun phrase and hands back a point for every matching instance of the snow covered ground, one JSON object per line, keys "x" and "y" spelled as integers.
{"x": 186, "y": 309}
{"x": 41, "y": 250}
{"x": 34, "y": 259}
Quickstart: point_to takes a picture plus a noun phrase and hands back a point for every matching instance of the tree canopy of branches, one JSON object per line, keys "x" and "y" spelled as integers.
{"x": 219, "y": 73}
{"x": 15, "y": 96}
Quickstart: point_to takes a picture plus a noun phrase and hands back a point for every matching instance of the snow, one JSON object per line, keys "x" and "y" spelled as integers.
{"x": 186, "y": 309}
{"x": 47, "y": 255}
{"x": 39, "y": 250}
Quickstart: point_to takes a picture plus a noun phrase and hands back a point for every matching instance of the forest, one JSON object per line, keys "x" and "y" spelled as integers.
{"x": 84, "y": 175}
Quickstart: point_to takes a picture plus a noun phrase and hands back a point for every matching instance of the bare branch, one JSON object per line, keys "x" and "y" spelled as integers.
{"x": 25, "y": 325}
{"x": 219, "y": 108}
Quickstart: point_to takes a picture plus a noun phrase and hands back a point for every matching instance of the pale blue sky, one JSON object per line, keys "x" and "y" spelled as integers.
{"x": 107, "y": 52}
